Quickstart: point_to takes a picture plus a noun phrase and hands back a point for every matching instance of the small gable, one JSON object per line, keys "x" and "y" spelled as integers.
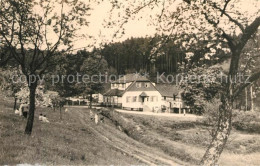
{"x": 143, "y": 94}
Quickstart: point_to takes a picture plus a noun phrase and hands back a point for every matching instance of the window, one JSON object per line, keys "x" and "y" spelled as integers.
{"x": 134, "y": 99}
{"x": 156, "y": 98}
{"x": 128, "y": 99}
{"x": 138, "y": 84}
{"x": 174, "y": 97}
{"x": 147, "y": 85}
{"x": 151, "y": 99}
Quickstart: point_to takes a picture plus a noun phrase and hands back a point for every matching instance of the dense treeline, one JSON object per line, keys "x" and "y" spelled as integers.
{"x": 134, "y": 54}
{"x": 137, "y": 55}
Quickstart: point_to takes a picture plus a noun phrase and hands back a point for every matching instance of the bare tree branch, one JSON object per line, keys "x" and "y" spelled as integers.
{"x": 141, "y": 7}
{"x": 224, "y": 12}
{"x": 229, "y": 39}
{"x": 12, "y": 48}
{"x": 20, "y": 36}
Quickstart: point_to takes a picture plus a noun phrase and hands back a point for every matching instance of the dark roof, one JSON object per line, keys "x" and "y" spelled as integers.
{"x": 168, "y": 90}
{"x": 127, "y": 78}
{"x": 114, "y": 92}
{"x": 106, "y": 87}
{"x": 142, "y": 79}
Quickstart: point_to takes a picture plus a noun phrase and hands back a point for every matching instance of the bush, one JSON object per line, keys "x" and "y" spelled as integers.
{"x": 243, "y": 121}
{"x": 211, "y": 110}
{"x": 246, "y": 121}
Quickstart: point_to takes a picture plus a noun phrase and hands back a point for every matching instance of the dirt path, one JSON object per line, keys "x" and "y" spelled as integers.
{"x": 119, "y": 140}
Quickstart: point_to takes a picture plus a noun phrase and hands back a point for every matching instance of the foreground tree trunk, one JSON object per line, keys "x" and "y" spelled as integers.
{"x": 221, "y": 135}
{"x": 29, "y": 125}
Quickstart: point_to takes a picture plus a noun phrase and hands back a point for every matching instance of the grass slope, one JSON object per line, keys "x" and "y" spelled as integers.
{"x": 186, "y": 140}
{"x": 59, "y": 142}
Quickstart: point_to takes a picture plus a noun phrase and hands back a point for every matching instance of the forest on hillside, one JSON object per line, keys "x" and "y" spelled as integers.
{"x": 138, "y": 55}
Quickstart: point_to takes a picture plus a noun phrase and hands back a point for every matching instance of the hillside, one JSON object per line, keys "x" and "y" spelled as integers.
{"x": 122, "y": 139}
{"x": 73, "y": 140}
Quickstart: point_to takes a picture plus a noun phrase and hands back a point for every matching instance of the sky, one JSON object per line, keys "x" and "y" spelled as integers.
{"x": 134, "y": 28}
{"x": 99, "y": 14}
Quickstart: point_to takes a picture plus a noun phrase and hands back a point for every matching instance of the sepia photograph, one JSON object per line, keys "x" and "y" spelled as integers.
{"x": 130, "y": 82}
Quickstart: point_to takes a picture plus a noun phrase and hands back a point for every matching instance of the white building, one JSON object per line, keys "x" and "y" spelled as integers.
{"x": 135, "y": 92}
{"x": 113, "y": 97}
{"x": 98, "y": 97}
{"x": 141, "y": 95}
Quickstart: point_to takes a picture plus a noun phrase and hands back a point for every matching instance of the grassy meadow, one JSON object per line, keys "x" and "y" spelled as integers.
{"x": 59, "y": 142}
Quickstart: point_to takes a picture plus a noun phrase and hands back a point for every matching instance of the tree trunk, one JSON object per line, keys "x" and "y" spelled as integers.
{"x": 15, "y": 103}
{"x": 90, "y": 101}
{"x": 246, "y": 99}
{"x": 60, "y": 114}
{"x": 221, "y": 135}
{"x": 29, "y": 125}
{"x": 252, "y": 97}
{"x": 61, "y": 104}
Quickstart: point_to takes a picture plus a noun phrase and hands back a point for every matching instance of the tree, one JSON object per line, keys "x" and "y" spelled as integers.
{"x": 249, "y": 64}
{"x": 201, "y": 85}
{"x": 93, "y": 66}
{"x": 69, "y": 65}
{"x": 229, "y": 29}
{"x": 134, "y": 55}
{"x": 11, "y": 82}
{"x": 34, "y": 31}
{"x": 4, "y": 55}
{"x": 81, "y": 73}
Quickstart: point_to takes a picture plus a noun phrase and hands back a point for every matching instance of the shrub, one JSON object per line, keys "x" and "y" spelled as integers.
{"x": 246, "y": 121}
{"x": 211, "y": 110}
{"x": 242, "y": 120}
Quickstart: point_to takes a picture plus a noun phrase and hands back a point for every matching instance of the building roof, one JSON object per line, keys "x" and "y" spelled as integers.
{"x": 127, "y": 78}
{"x": 106, "y": 87}
{"x": 168, "y": 90}
{"x": 142, "y": 79}
{"x": 114, "y": 92}
{"x": 135, "y": 87}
